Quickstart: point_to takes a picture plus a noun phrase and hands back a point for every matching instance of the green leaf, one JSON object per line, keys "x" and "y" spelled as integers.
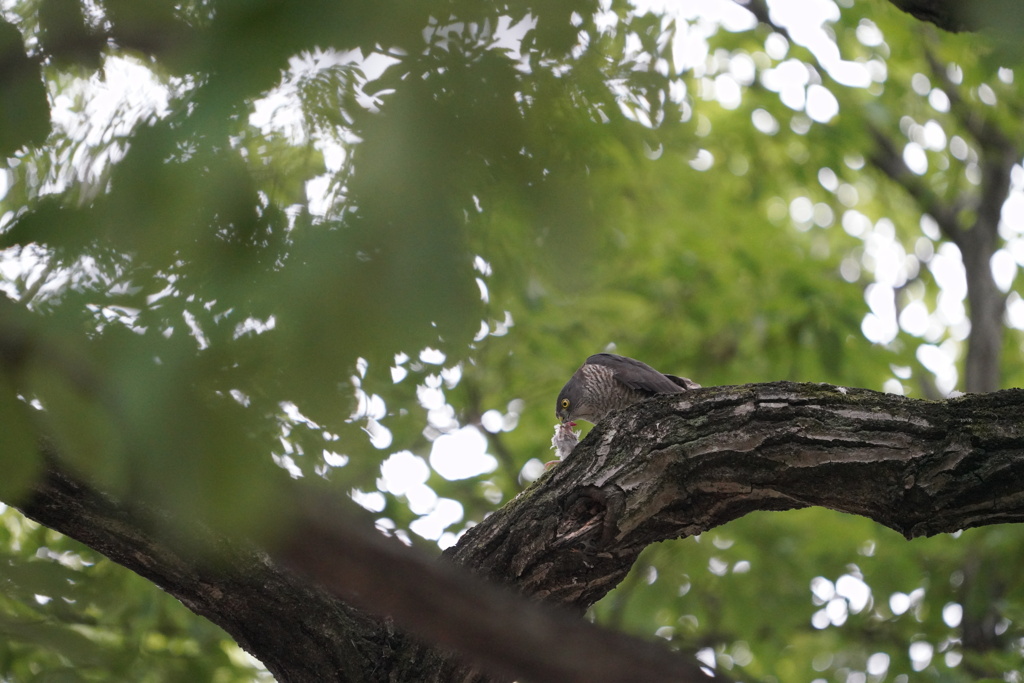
{"x": 66, "y": 36}
{"x": 81, "y": 426}
{"x": 24, "y": 108}
{"x": 19, "y": 448}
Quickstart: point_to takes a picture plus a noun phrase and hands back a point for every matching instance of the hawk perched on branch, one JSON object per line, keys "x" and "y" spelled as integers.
{"x": 607, "y": 382}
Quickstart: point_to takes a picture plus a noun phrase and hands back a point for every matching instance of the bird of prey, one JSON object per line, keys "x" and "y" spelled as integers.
{"x": 607, "y": 382}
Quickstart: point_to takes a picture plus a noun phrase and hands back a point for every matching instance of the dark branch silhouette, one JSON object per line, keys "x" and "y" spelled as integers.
{"x": 665, "y": 468}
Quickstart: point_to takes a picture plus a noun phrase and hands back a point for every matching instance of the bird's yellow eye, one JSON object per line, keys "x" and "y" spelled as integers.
{"x": 565, "y": 403}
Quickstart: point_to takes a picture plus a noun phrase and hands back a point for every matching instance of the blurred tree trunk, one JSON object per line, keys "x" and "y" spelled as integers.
{"x": 667, "y": 468}
{"x": 982, "y": 595}
{"x": 979, "y": 240}
{"x": 969, "y": 220}
{"x": 986, "y": 303}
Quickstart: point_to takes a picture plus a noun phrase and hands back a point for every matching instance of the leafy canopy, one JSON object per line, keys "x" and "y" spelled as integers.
{"x": 244, "y": 241}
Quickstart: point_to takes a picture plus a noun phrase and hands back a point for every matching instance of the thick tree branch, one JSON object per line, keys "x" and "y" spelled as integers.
{"x": 957, "y": 16}
{"x": 447, "y": 606}
{"x": 243, "y": 592}
{"x": 303, "y": 633}
{"x": 680, "y": 465}
{"x": 666, "y": 468}
{"x": 946, "y": 14}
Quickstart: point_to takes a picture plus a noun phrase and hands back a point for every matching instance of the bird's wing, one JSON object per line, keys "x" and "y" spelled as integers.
{"x": 684, "y": 382}
{"x": 637, "y": 375}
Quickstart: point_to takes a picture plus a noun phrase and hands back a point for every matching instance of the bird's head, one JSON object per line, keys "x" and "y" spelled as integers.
{"x": 571, "y": 402}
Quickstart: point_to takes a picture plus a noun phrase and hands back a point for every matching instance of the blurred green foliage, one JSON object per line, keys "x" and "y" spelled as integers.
{"x": 249, "y": 220}
{"x": 66, "y": 614}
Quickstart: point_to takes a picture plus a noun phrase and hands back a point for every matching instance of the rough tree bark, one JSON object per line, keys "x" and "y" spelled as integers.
{"x": 666, "y": 468}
